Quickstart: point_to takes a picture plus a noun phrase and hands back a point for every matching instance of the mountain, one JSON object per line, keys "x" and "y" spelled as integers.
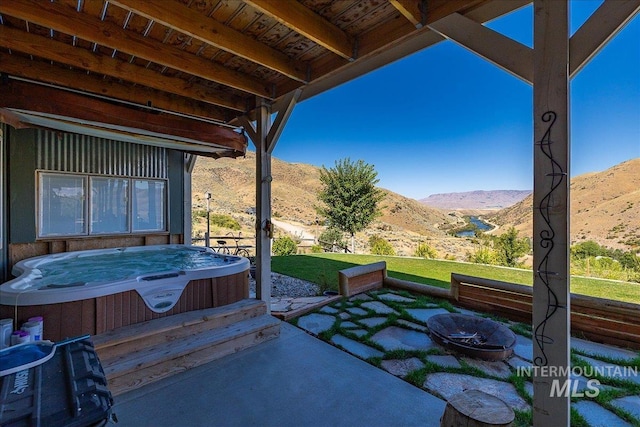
{"x": 605, "y": 207}
{"x": 404, "y": 221}
{"x": 475, "y": 200}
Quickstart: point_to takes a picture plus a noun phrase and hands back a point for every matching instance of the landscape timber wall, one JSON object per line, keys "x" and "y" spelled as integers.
{"x": 597, "y": 319}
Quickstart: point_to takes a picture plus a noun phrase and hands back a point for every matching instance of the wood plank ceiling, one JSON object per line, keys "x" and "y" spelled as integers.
{"x": 203, "y": 61}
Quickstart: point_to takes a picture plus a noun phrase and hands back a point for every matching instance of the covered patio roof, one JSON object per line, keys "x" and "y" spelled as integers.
{"x": 213, "y": 61}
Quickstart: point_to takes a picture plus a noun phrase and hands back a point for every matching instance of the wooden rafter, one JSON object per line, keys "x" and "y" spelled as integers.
{"x": 410, "y": 9}
{"x": 64, "y": 53}
{"x": 25, "y": 96}
{"x": 504, "y": 52}
{"x": 198, "y": 26}
{"x": 601, "y": 27}
{"x": 65, "y": 19}
{"x": 309, "y": 24}
{"x": 438, "y": 9}
{"x": 78, "y": 80}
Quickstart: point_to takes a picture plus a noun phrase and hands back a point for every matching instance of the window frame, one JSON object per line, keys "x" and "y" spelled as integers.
{"x": 87, "y": 214}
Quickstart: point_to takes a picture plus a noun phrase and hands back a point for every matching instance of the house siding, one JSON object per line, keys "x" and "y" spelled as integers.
{"x": 30, "y": 150}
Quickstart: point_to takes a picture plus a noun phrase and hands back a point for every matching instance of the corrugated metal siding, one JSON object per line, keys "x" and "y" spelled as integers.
{"x": 68, "y": 152}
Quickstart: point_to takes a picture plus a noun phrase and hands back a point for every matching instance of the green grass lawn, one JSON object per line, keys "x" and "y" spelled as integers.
{"x": 322, "y": 269}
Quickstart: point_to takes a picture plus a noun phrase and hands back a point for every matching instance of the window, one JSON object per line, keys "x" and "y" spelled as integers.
{"x": 109, "y": 206}
{"x": 148, "y": 205}
{"x": 62, "y": 205}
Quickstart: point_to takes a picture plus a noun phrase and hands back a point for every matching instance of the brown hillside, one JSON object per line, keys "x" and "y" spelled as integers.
{"x": 405, "y": 222}
{"x": 605, "y": 207}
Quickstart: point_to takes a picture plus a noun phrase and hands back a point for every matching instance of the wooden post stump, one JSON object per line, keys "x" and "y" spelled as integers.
{"x": 475, "y": 408}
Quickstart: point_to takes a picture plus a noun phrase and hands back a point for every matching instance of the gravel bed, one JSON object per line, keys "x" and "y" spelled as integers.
{"x": 286, "y": 286}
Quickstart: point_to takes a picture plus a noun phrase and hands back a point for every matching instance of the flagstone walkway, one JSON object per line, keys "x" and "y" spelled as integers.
{"x": 388, "y": 329}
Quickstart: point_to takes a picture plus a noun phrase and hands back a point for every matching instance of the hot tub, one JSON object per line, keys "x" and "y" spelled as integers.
{"x": 107, "y": 288}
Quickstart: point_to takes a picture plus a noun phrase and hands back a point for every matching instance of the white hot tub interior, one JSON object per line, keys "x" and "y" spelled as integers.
{"x": 158, "y": 273}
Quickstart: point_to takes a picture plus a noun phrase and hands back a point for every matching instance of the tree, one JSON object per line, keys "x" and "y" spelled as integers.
{"x": 330, "y": 238}
{"x": 511, "y": 248}
{"x": 350, "y": 197}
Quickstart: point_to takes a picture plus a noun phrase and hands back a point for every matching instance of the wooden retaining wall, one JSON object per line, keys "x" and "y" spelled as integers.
{"x": 597, "y": 319}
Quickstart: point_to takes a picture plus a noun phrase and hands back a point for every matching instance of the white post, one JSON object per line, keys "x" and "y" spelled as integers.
{"x": 551, "y": 311}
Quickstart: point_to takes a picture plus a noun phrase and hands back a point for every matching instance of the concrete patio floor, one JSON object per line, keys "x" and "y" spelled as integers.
{"x": 294, "y": 380}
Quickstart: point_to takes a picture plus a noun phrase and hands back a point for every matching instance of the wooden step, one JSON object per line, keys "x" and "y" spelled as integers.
{"x": 140, "y": 354}
{"x": 131, "y": 338}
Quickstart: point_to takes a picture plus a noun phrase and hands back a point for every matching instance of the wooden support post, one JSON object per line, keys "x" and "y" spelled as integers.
{"x": 551, "y": 315}
{"x": 263, "y": 205}
{"x": 265, "y": 137}
{"x": 189, "y": 164}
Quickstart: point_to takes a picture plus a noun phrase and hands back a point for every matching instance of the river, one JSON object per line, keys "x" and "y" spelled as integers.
{"x": 482, "y": 226}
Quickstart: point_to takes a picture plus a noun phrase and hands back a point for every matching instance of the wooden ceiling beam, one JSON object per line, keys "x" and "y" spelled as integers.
{"x": 598, "y": 30}
{"x": 438, "y": 9}
{"x": 27, "y": 96}
{"x": 63, "y": 18}
{"x": 210, "y": 31}
{"x": 410, "y": 9}
{"x": 46, "y": 72}
{"x": 304, "y": 21}
{"x": 63, "y": 53}
{"x": 500, "y": 50}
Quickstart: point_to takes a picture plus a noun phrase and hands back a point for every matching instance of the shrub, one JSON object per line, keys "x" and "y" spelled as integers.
{"x": 284, "y": 245}
{"x": 425, "y": 251}
{"x": 225, "y": 221}
{"x": 316, "y": 249}
{"x": 483, "y": 255}
{"x": 380, "y": 246}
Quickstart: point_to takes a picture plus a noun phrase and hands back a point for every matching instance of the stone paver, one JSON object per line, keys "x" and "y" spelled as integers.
{"x": 401, "y": 367}
{"x": 494, "y": 368}
{"x": 423, "y": 314}
{"x": 597, "y": 416}
{"x": 631, "y": 404}
{"x": 309, "y": 300}
{"x": 413, "y": 325}
{"x": 357, "y": 311}
{"x": 610, "y": 370}
{"x": 328, "y": 310}
{"x": 467, "y": 312}
{"x": 446, "y": 361}
{"x": 280, "y": 306}
{"x": 523, "y": 347}
{"x": 597, "y": 349}
{"x": 356, "y": 348}
{"x": 515, "y": 362}
{"x": 359, "y": 332}
{"x": 372, "y": 322}
{"x": 344, "y": 316}
{"x": 361, "y": 297}
{"x": 379, "y": 307}
{"x": 395, "y": 338}
{"x": 394, "y": 297}
{"x": 348, "y": 325}
{"x": 447, "y": 385}
{"x": 316, "y": 323}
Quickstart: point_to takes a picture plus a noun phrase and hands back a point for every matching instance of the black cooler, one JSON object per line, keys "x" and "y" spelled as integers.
{"x": 70, "y": 390}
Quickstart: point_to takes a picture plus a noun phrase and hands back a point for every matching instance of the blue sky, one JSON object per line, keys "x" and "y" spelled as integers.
{"x": 445, "y": 120}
